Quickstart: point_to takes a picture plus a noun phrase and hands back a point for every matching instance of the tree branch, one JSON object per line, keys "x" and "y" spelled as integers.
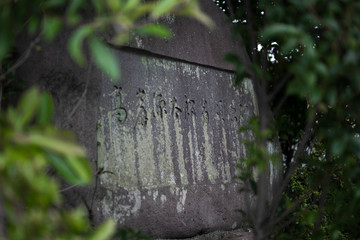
{"x": 1, "y": 88}
{"x": 231, "y": 9}
{"x": 280, "y": 104}
{"x": 278, "y": 87}
{"x": 293, "y": 166}
{"x": 322, "y": 197}
{"x": 68, "y": 188}
{"x": 293, "y": 207}
{"x": 252, "y": 35}
{"x": 276, "y": 229}
{"x": 22, "y": 59}
{"x": 299, "y": 201}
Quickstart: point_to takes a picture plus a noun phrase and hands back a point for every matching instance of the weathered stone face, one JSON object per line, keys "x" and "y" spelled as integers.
{"x": 170, "y": 123}
{"x": 168, "y": 140}
{"x": 167, "y": 133}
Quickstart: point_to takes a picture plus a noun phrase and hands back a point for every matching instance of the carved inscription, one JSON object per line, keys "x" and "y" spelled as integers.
{"x": 161, "y": 106}
{"x": 173, "y": 124}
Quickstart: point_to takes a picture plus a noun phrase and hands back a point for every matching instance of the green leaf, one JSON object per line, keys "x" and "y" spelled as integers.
{"x": 27, "y": 107}
{"x": 192, "y": 9}
{"x": 243, "y": 213}
{"x": 104, "y": 231}
{"x": 75, "y": 45}
{"x": 289, "y": 45}
{"x": 104, "y": 58}
{"x": 46, "y": 109}
{"x": 338, "y": 146}
{"x": 51, "y": 27}
{"x": 98, "y": 5}
{"x": 33, "y": 25}
{"x": 5, "y": 40}
{"x": 81, "y": 168}
{"x": 72, "y": 15}
{"x": 63, "y": 169}
{"x": 53, "y": 143}
{"x": 332, "y": 97}
{"x": 130, "y": 5}
{"x": 231, "y": 58}
{"x": 122, "y": 38}
{"x": 276, "y": 30}
{"x": 155, "y": 30}
{"x": 54, "y": 3}
{"x": 163, "y": 7}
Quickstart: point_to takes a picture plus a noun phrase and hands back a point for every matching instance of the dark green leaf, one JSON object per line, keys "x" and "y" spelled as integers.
{"x": 338, "y": 146}
{"x": 130, "y": 5}
{"x": 104, "y": 231}
{"x": 46, "y": 109}
{"x": 52, "y": 26}
{"x": 163, "y": 7}
{"x": 81, "y": 168}
{"x": 27, "y": 106}
{"x": 231, "y": 58}
{"x": 60, "y": 165}
{"x": 154, "y": 30}
{"x": 104, "y": 58}
{"x": 75, "y": 45}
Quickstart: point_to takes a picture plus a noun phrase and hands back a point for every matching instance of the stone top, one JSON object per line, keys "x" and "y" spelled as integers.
{"x": 193, "y": 41}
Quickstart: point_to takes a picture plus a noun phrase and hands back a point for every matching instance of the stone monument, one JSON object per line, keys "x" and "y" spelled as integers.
{"x": 168, "y": 132}
{"x": 164, "y": 140}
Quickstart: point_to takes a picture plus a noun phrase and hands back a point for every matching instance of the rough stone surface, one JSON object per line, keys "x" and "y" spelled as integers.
{"x": 221, "y": 235}
{"x": 168, "y": 145}
{"x": 165, "y": 136}
{"x": 194, "y": 42}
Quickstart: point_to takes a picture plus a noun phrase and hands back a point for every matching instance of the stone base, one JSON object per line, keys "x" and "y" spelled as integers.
{"x": 222, "y": 235}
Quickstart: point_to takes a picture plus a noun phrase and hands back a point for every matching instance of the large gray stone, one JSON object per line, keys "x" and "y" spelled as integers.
{"x": 164, "y": 139}
{"x": 168, "y": 145}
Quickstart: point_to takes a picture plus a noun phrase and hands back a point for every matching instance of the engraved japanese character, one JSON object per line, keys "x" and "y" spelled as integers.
{"x": 175, "y": 109}
{"x": 189, "y": 107}
{"x": 141, "y": 117}
{"x": 159, "y": 105}
{"x": 205, "y": 113}
{"x": 119, "y": 111}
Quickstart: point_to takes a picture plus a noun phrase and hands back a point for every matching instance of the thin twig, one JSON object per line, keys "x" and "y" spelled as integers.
{"x": 68, "y": 188}
{"x": 231, "y": 9}
{"x": 84, "y": 92}
{"x": 323, "y": 197}
{"x": 278, "y": 87}
{"x": 95, "y": 188}
{"x": 264, "y": 63}
{"x": 22, "y": 59}
{"x": 280, "y": 104}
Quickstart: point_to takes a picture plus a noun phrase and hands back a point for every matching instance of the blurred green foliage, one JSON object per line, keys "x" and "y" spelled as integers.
{"x": 304, "y": 56}
{"x": 91, "y": 21}
{"x": 31, "y": 147}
